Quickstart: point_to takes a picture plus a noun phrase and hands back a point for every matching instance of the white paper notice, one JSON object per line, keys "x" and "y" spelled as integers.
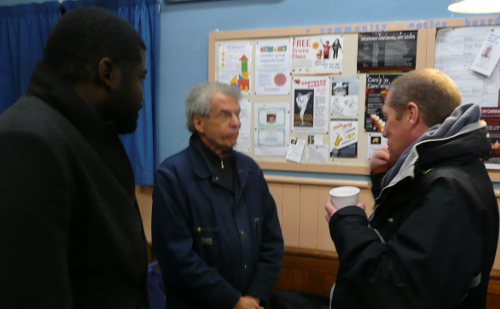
{"x": 244, "y": 142}
{"x": 295, "y": 150}
{"x": 456, "y": 50}
{"x": 235, "y": 63}
{"x": 310, "y": 101}
{"x": 272, "y": 126}
{"x": 345, "y": 94}
{"x": 317, "y": 153}
{"x": 317, "y": 54}
{"x": 488, "y": 55}
{"x": 272, "y": 67}
{"x": 315, "y": 139}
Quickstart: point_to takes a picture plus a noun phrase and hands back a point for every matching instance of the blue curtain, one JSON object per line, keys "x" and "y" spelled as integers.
{"x": 144, "y": 16}
{"x": 23, "y": 32}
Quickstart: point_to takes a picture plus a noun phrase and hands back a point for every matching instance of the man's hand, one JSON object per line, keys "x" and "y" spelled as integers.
{"x": 380, "y": 161}
{"x": 331, "y": 209}
{"x": 248, "y": 302}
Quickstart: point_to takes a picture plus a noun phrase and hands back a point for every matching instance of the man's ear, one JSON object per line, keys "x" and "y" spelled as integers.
{"x": 106, "y": 73}
{"x": 198, "y": 124}
{"x": 413, "y": 114}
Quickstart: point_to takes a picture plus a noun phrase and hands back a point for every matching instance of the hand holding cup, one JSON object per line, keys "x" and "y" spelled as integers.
{"x": 341, "y": 197}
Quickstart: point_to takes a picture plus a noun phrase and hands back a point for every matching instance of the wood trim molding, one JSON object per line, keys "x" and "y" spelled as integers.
{"x": 311, "y": 260}
{"x": 318, "y": 181}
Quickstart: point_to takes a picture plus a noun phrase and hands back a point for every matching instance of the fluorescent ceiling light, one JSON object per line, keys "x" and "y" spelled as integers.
{"x": 475, "y": 6}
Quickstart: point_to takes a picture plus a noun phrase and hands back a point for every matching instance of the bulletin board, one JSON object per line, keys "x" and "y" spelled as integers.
{"x": 468, "y": 50}
{"x": 273, "y": 124}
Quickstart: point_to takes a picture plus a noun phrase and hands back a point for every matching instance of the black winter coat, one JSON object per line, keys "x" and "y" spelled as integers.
{"x": 432, "y": 238}
{"x": 71, "y": 234}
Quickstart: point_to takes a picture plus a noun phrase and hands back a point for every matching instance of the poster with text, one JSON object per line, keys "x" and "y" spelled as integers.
{"x": 235, "y": 63}
{"x": 344, "y": 138}
{"x": 456, "y": 51}
{"x": 271, "y": 125}
{"x": 394, "y": 51}
{"x": 377, "y": 86}
{"x": 272, "y": 67}
{"x": 492, "y": 118}
{"x": 310, "y": 104}
{"x": 243, "y": 143}
{"x": 345, "y": 94}
{"x": 321, "y": 54}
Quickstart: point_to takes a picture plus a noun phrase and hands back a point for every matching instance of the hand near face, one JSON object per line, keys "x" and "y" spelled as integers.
{"x": 380, "y": 161}
{"x": 331, "y": 209}
{"x": 248, "y": 302}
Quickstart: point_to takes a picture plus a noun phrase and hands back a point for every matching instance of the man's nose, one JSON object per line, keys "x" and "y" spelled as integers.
{"x": 235, "y": 120}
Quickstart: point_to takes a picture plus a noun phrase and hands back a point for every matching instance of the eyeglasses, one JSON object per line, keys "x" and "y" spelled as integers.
{"x": 226, "y": 115}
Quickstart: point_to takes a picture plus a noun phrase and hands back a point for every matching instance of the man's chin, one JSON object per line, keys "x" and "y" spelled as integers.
{"x": 127, "y": 128}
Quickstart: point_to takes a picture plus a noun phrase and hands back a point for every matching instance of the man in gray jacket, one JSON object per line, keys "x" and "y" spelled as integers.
{"x": 432, "y": 238}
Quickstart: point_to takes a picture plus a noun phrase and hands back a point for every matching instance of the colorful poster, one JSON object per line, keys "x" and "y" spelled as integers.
{"x": 272, "y": 127}
{"x": 345, "y": 94}
{"x": 235, "y": 64}
{"x": 375, "y": 142}
{"x": 243, "y": 144}
{"x": 344, "y": 138}
{"x": 272, "y": 67}
{"x": 492, "y": 118}
{"x": 321, "y": 54}
{"x": 377, "y": 87}
{"x": 310, "y": 104}
{"x": 388, "y": 52}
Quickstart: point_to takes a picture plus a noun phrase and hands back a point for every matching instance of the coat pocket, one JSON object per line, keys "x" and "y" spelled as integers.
{"x": 258, "y": 224}
{"x": 206, "y": 235}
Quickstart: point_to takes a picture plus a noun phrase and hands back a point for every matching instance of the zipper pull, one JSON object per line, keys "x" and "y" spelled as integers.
{"x": 221, "y": 163}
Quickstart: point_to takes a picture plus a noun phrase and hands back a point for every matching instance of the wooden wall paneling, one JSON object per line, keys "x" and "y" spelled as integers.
{"x": 291, "y": 214}
{"x": 286, "y": 192}
{"x": 308, "y": 235}
{"x": 300, "y": 280}
{"x": 276, "y": 190}
{"x": 493, "y": 301}
{"x": 328, "y": 283}
{"x": 496, "y": 264}
{"x": 144, "y": 199}
{"x": 285, "y": 280}
{"x": 324, "y": 240}
{"x": 366, "y": 196}
{"x": 315, "y": 282}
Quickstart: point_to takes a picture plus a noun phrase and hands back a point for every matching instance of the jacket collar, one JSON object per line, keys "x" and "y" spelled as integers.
{"x": 464, "y": 120}
{"x": 204, "y": 169}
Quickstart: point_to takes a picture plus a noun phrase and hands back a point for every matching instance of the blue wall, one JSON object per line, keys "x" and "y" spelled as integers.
{"x": 184, "y": 40}
{"x": 184, "y": 29}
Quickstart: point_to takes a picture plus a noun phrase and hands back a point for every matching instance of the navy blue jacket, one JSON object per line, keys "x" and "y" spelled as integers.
{"x": 214, "y": 246}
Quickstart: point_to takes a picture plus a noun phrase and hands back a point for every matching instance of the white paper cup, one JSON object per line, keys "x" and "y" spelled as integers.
{"x": 344, "y": 196}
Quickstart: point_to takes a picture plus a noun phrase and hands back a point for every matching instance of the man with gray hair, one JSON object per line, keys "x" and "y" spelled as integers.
{"x": 215, "y": 226}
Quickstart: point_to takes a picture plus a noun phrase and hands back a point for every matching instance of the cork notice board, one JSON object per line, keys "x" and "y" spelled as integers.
{"x": 274, "y": 86}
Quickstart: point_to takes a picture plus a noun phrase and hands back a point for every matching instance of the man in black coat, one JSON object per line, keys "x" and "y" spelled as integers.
{"x": 71, "y": 234}
{"x": 432, "y": 237}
